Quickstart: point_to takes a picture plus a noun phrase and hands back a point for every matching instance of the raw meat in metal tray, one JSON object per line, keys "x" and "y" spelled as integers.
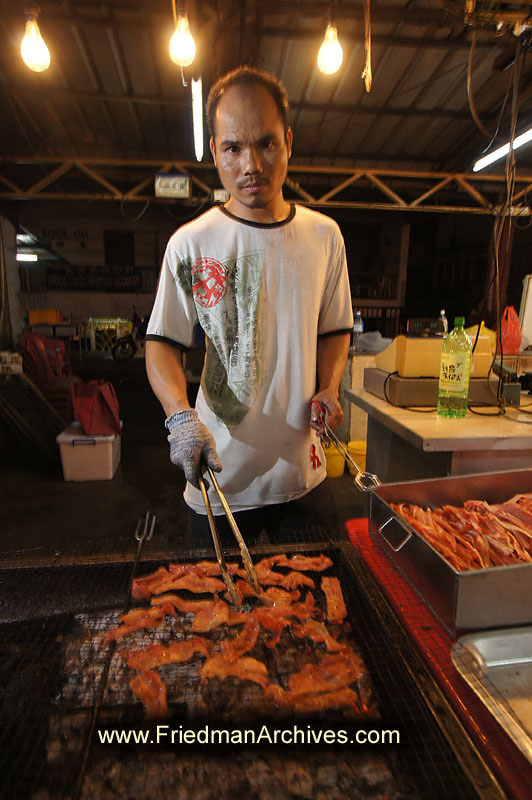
{"x": 511, "y": 517}
{"x": 476, "y": 536}
{"x": 150, "y": 689}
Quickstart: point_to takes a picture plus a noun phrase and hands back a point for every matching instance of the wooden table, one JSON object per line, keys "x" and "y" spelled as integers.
{"x": 411, "y": 445}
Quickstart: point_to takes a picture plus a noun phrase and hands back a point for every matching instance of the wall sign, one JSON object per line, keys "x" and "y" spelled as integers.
{"x": 96, "y": 279}
{"x": 167, "y": 185}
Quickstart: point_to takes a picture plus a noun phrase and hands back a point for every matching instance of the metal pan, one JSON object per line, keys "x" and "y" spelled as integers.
{"x": 497, "y": 665}
{"x": 473, "y": 600}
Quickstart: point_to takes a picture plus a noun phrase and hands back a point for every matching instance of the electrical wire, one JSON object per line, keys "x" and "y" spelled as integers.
{"x": 501, "y": 113}
{"x": 470, "y": 98}
{"x": 504, "y": 217}
{"x": 367, "y": 74}
{"x": 430, "y": 410}
{"x": 192, "y": 216}
{"x": 139, "y": 216}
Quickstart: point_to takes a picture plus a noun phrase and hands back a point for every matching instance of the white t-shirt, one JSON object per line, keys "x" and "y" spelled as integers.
{"x": 262, "y": 293}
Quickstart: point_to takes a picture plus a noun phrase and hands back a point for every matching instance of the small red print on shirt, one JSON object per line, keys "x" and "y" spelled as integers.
{"x": 316, "y": 463}
{"x": 209, "y": 281}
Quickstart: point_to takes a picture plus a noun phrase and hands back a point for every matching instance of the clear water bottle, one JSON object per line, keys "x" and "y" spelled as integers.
{"x": 455, "y": 366}
{"x": 358, "y": 328}
{"x": 445, "y": 324}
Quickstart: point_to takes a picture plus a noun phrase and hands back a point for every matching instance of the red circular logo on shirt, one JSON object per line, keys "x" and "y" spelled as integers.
{"x": 209, "y": 281}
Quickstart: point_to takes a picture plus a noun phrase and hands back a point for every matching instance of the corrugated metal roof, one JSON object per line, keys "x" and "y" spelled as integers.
{"x": 112, "y": 92}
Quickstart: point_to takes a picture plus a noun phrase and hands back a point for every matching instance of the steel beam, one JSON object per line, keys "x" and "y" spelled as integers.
{"x": 319, "y": 186}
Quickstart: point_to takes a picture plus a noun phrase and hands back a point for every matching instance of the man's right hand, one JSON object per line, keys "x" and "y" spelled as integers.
{"x": 190, "y": 443}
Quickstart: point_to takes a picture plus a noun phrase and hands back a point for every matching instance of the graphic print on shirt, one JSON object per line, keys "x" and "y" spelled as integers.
{"x": 209, "y": 281}
{"x": 228, "y": 303}
{"x": 314, "y": 457}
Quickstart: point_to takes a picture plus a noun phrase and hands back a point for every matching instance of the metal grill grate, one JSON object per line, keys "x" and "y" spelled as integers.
{"x": 424, "y": 751}
{"x": 50, "y": 670}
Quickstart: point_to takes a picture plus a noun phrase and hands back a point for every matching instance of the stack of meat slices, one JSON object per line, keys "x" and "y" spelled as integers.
{"x": 289, "y": 646}
{"x": 477, "y": 535}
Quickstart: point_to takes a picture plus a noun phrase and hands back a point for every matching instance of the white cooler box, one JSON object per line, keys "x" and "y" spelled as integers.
{"x": 88, "y": 458}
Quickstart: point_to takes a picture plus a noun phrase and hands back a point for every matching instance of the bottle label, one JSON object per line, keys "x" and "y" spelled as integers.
{"x": 453, "y": 372}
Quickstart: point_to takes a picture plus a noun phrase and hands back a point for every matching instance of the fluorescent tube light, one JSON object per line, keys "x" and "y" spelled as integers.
{"x": 197, "y": 117}
{"x": 27, "y": 257}
{"x": 519, "y": 141}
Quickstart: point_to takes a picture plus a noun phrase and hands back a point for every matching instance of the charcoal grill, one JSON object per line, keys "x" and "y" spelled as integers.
{"x": 45, "y": 725}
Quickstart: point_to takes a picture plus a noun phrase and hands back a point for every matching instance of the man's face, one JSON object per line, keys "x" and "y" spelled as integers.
{"x": 251, "y": 151}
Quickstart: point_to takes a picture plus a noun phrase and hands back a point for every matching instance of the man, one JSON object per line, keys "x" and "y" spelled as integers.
{"x": 268, "y": 283}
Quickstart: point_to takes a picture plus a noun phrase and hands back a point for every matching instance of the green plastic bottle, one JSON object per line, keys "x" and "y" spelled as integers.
{"x": 453, "y": 388}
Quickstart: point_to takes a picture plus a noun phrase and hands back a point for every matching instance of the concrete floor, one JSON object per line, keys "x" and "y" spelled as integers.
{"x": 46, "y": 518}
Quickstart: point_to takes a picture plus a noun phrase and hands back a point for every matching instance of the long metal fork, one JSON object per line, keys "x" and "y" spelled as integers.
{"x": 364, "y": 480}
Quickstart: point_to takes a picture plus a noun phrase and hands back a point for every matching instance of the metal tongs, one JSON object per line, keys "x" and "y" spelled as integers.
{"x": 364, "y": 480}
{"x": 244, "y": 552}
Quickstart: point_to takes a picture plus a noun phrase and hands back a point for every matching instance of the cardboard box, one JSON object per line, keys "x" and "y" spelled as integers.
{"x": 44, "y": 315}
{"x": 88, "y": 458}
{"x": 420, "y": 357}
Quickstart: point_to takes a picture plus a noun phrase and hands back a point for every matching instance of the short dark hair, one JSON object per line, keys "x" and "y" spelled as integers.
{"x": 247, "y": 76}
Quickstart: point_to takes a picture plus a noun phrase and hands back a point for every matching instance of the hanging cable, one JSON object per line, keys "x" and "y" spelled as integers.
{"x": 367, "y": 74}
{"x": 470, "y": 99}
{"x": 139, "y": 216}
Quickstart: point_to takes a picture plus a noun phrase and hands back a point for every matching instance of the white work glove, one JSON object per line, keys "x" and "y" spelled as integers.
{"x": 190, "y": 443}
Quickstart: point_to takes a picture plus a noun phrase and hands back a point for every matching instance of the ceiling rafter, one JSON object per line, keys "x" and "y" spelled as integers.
{"x": 388, "y": 40}
{"x": 415, "y": 186}
{"x": 128, "y": 17}
{"x": 182, "y": 101}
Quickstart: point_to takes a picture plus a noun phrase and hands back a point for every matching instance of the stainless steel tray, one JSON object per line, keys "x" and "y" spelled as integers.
{"x": 473, "y": 600}
{"x": 497, "y": 665}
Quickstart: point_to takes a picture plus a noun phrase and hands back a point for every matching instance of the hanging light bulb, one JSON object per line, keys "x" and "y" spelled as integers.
{"x": 330, "y": 55}
{"x": 33, "y": 48}
{"x": 197, "y": 117}
{"x": 182, "y": 47}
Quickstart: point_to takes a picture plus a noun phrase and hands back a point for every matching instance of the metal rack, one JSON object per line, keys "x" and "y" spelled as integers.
{"x": 32, "y": 673}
